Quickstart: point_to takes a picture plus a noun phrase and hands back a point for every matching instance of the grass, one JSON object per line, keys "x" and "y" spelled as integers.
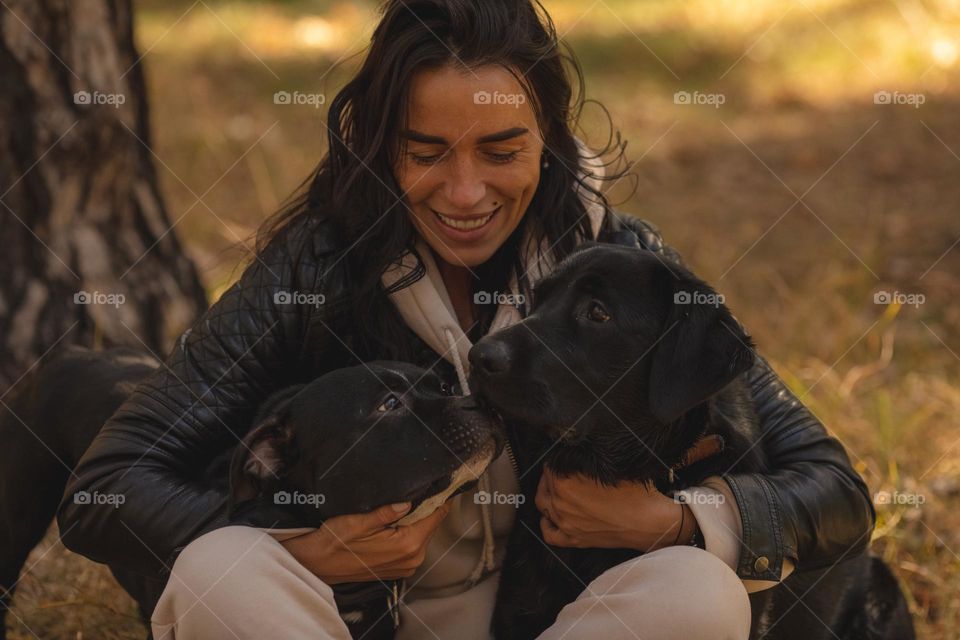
{"x": 878, "y": 212}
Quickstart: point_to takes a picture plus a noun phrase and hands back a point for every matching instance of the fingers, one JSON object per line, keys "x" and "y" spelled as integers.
{"x": 358, "y": 525}
{"x": 544, "y": 497}
{"x": 553, "y": 535}
{"x": 422, "y": 530}
{"x": 371, "y": 550}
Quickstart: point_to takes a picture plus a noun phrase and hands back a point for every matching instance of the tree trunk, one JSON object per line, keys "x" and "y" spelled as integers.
{"x": 89, "y": 256}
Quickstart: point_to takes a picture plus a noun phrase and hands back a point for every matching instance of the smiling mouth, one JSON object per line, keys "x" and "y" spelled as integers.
{"x": 465, "y": 224}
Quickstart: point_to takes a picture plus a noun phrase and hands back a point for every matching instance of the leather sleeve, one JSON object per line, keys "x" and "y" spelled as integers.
{"x": 811, "y": 506}
{"x": 154, "y": 449}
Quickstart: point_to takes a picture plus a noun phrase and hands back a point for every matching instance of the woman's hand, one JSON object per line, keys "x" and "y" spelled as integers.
{"x": 577, "y": 511}
{"x": 363, "y": 547}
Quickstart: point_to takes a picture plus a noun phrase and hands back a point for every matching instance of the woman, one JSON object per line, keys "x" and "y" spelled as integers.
{"x": 452, "y": 170}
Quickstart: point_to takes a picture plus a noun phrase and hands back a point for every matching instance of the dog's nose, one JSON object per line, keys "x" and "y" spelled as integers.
{"x": 490, "y": 357}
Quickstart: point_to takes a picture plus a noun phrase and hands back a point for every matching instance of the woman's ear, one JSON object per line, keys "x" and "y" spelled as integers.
{"x": 702, "y": 347}
{"x": 266, "y": 453}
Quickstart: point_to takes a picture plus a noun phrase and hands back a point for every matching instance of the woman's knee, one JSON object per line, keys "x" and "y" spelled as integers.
{"x": 682, "y": 592}
{"x": 236, "y": 581}
{"x": 223, "y": 557}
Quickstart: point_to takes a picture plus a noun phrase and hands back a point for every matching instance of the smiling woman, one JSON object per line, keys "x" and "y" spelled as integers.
{"x": 453, "y": 182}
{"x": 459, "y": 112}
{"x": 468, "y": 168}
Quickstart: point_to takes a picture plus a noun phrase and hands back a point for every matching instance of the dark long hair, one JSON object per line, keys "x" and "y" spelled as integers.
{"x": 354, "y": 186}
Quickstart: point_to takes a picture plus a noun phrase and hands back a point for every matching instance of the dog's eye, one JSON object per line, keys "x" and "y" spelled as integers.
{"x": 392, "y": 402}
{"x": 446, "y": 389}
{"x": 597, "y": 313}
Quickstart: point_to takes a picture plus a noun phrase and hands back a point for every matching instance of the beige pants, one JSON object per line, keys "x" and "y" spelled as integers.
{"x": 239, "y": 582}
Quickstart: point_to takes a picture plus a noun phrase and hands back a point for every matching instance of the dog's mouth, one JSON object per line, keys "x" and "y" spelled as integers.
{"x": 434, "y": 493}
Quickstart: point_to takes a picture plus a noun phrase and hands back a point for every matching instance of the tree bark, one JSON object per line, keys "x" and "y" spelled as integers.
{"x": 89, "y": 256}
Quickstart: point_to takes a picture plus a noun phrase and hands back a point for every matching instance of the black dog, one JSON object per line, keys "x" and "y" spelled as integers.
{"x": 356, "y": 439}
{"x": 54, "y": 414}
{"x": 348, "y": 442}
{"x": 623, "y": 364}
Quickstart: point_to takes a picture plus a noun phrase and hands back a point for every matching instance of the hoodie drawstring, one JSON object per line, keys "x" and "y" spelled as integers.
{"x": 486, "y": 561}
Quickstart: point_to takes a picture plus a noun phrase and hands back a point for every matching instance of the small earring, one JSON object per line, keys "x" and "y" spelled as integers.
{"x": 546, "y": 163}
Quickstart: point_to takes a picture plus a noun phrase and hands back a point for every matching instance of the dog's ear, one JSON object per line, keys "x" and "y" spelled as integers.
{"x": 266, "y": 453}
{"x": 702, "y": 347}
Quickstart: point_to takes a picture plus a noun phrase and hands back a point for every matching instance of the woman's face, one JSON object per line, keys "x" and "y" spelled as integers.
{"x": 469, "y": 160}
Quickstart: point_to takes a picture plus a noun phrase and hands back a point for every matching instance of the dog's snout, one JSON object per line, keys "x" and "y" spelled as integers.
{"x": 490, "y": 357}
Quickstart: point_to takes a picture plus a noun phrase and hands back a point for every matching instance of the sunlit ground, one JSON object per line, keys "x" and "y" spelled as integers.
{"x": 800, "y": 197}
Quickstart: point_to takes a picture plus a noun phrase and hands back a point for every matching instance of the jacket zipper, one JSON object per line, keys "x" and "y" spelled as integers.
{"x": 512, "y": 457}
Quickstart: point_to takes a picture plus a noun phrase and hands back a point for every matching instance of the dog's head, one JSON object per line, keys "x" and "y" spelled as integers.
{"x": 361, "y": 437}
{"x": 617, "y": 341}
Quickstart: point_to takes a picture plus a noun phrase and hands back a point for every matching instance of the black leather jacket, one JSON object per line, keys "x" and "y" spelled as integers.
{"x": 812, "y": 507}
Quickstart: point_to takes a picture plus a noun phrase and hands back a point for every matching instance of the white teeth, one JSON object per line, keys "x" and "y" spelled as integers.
{"x": 464, "y": 225}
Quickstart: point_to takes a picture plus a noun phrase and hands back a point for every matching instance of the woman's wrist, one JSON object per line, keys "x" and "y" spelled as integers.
{"x": 679, "y": 526}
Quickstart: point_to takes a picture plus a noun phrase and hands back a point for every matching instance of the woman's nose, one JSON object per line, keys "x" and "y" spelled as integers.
{"x": 465, "y": 186}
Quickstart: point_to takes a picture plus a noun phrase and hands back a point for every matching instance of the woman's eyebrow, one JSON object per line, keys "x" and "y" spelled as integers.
{"x": 500, "y": 136}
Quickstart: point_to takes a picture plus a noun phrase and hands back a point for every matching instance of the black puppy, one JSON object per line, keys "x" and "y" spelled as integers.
{"x": 348, "y": 442}
{"x": 623, "y": 364}
{"x": 353, "y": 440}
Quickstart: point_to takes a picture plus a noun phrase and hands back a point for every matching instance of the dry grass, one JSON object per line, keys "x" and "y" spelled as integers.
{"x": 881, "y": 213}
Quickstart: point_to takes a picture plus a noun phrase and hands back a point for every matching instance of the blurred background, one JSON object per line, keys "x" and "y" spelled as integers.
{"x": 803, "y": 156}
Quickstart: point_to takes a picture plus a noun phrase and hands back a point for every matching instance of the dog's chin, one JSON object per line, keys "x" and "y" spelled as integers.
{"x": 527, "y": 413}
{"x": 426, "y": 500}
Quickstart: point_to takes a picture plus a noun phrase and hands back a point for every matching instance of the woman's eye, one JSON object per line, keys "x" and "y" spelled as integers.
{"x": 597, "y": 313}
{"x": 425, "y": 159}
{"x": 503, "y": 158}
{"x": 392, "y": 402}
